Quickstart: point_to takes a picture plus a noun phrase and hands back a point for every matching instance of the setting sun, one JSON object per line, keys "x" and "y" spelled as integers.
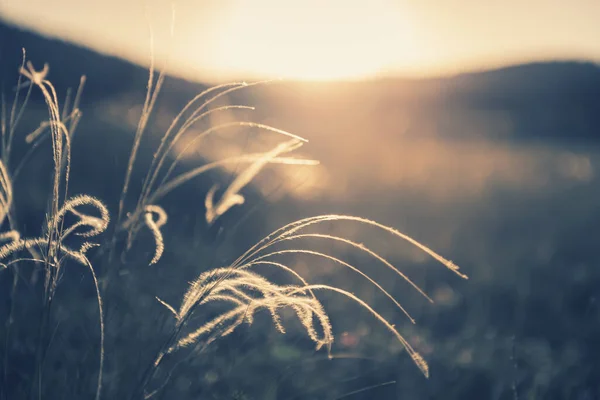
{"x": 314, "y": 40}
{"x": 219, "y": 41}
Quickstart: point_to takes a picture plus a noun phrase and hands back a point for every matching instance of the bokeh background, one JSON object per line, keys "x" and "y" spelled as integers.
{"x": 471, "y": 126}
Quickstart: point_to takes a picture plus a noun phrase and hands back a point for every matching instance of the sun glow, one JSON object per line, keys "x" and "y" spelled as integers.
{"x": 313, "y": 40}
{"x": 223, "y": 40}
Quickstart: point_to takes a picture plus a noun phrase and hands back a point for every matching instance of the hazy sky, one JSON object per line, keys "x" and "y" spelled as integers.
{"x": 322, "y": 39}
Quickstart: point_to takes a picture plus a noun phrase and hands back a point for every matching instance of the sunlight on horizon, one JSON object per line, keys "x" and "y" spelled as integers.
{"x": 226, "y": 40}
{"x": 315, "y": 40}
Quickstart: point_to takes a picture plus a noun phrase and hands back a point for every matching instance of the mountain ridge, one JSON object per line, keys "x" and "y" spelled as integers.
{"x": 110, "y": 75}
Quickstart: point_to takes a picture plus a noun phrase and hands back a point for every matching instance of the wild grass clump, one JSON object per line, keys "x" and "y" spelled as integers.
{"x": 75, "y": 224}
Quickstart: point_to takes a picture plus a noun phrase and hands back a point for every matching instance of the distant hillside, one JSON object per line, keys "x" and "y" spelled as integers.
{"x": 544, "y": 100}
{"x": 107, "y": 76}
{"x": 529, "y": 81}
{"x": 110, "y": 75}
{"x": 534, "y": 76}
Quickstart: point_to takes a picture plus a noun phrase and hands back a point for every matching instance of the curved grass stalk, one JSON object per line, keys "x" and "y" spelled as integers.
{"x": 38, "y": 78}
{"x": 6, "y": 193}
{"x": 295, "y": 226}
{"x": 220, "y": 127}
{"x": 166, "y": 145}
{"x": 197, "y": 290}
{"x": 16, "y": 113}
{"x": 416, "y": 357}
{"x": 231, "y": 195}
{"x": 96, "y": 225}
{"x": 360, "y": 247}
{"x": 35, "y": 134}
{"x": 311, "y": 332}
{"x": 74, "y": 121}
{"x": 347, "y": 265}
{"x": 160, "y": 152}
{"x": 42, "y": 243}
{"x": 154, "y": 227}
{"x": 167, "y": 306}
{"x": 18, "y": 260}
{"x": 188, "y": 145}
{"x": 11, "y": 236}
{"x": 209, "y": 326}
{"x": 148, "y": 188}
{"x": 101, "y": 321}
{"x": 280, "y": 266}
{"x": 185, "y": 177}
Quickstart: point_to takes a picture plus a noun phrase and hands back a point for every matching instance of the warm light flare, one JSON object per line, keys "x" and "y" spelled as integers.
{"x": 314, "y": 40}
{"x": 224, "y": 40}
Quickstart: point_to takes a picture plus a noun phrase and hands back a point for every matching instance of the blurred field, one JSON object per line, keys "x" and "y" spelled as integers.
{"x": 497, "y": 171}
